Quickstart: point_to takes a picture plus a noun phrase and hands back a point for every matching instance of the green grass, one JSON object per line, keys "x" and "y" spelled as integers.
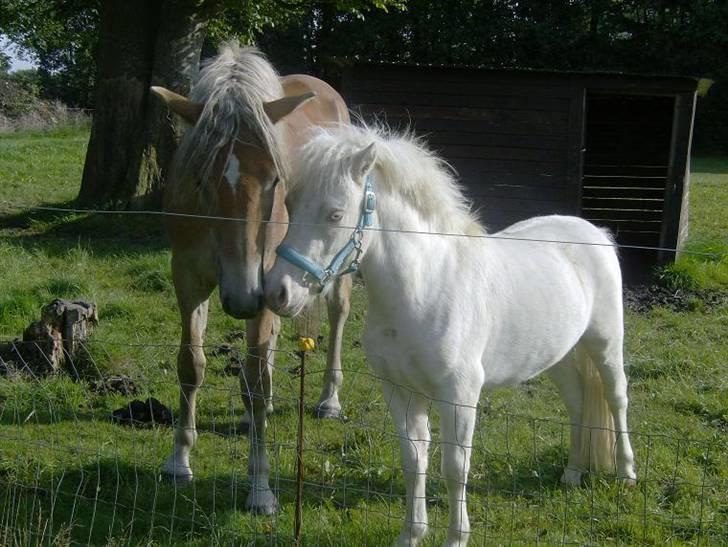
{"x": 68, "y": 475}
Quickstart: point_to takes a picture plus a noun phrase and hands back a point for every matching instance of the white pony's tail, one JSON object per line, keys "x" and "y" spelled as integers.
{"x": 598, "y": 439}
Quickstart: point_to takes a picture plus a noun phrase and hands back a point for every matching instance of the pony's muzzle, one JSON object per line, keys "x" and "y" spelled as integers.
{"x": 283, "y": 298}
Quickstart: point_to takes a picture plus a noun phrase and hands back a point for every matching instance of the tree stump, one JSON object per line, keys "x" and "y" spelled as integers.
{"x": 53, "y": 342}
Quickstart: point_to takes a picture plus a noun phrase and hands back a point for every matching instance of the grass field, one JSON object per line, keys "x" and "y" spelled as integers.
{"x": 70, "y": 476}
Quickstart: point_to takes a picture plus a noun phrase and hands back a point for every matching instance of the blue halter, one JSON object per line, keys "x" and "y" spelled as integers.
{"x": 335, "y": 269}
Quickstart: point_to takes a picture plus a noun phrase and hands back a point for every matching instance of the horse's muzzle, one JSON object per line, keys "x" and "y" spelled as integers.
{"x": 242, "y": 307}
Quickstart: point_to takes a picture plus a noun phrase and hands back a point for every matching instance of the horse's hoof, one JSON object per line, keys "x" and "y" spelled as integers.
{"x": 261, "y": 502}
{"x": 629, "y": 482}
{"x": 324, "y": 411}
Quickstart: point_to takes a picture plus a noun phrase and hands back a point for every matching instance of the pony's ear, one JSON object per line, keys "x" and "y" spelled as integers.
{"x": 363, "y": 161}
{"x": 280, "y": 108}
{"x": 178, "y": 104}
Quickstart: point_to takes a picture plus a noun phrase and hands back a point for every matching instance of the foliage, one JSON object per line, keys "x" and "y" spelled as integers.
{"x": 4, "y": 63}
{"x": 60, "y": 35}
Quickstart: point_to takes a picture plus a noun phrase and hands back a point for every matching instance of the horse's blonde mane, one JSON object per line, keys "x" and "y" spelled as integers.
{"x": 405, "y": 167}
{"x": 233, "y": 87}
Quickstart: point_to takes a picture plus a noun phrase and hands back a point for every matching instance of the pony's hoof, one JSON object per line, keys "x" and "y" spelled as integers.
{"x": 324, "y": 411}
{"x": 629, "y": 482}
{"x": 571, "y": 477}
{"x": 261, "y": 502}
{"x": 180, "y": 475}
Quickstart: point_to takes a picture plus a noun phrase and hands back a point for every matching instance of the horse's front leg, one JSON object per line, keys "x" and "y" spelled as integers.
{"x": 255, "y": 384}
{"x": 457, "y": 423}
{"x": 410, "y": 415}
{"x": 337, "y": 302}
{"x": 193, "y": 293}
{"x": 271, "y": 351}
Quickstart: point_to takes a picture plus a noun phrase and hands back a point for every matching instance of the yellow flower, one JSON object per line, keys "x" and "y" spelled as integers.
{"x": 306, "y": 344}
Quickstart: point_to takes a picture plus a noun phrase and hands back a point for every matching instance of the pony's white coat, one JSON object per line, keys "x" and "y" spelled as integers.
{"x": 448, "y": 315}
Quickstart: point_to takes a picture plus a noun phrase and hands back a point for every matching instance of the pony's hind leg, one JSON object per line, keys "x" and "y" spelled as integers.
{"x": 337, "y": 302}
{"x": 566, "y": 377}
{"x": 410, "y": 414}
{"x": 192, "y": 296}
{"x": 457, "y": 423}
{"x": 606, "y": 355}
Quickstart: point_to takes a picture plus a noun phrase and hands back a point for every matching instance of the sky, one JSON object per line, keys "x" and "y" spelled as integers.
{"x": 15, "y": 63}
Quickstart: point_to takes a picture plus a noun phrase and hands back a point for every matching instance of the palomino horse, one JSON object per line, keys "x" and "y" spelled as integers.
{"x": 449, "y": 314}
{"x": 245, "y": 123}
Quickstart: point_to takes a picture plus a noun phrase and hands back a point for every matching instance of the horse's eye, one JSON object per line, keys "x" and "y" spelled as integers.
{"x": 336, "y": 216}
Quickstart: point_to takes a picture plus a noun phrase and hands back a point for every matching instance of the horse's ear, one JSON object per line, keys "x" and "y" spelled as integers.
{"x": 363, "y": 161}
{"x": 178, "y": 104}
{"x": 280, "y": 108}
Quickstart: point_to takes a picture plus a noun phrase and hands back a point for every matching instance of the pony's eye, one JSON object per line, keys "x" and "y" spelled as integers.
{"x": 336, "y": 216}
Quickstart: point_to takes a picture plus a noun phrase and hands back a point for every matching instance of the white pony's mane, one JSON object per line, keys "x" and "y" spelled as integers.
{"x": 405, "y": 167}
{"x": 233, "y": 86}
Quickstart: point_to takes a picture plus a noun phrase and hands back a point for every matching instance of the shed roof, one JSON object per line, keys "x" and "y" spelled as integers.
{"x": 607, "y": 79}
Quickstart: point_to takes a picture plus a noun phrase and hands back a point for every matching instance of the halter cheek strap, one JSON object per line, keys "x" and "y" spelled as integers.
{"x": 324, "y": 276}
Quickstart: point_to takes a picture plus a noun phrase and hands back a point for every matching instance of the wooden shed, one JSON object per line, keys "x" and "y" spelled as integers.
{"x": 612, "y": 148}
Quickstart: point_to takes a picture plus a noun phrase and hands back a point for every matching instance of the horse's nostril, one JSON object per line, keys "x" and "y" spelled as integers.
{"x": 282, "y": 296}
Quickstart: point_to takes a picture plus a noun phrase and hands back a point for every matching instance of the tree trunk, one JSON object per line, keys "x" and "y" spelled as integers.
{"x": 142, "y": 43}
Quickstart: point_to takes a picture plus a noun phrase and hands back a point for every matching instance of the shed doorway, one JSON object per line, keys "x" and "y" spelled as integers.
{"x": 627, "y": 146}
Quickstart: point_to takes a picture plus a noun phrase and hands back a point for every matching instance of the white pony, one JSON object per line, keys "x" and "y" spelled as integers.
{"x": 451, "y": 314}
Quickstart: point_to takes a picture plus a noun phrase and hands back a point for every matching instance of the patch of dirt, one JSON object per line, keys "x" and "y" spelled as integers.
{"x": 642, "y": 298}
{"x": 147, "y": 413}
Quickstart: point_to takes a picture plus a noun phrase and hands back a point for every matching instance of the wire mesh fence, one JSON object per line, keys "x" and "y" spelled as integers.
{"x": 71, "y": 475}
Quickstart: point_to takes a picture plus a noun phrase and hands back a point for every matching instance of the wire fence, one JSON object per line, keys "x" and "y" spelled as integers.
{"x": 72, "y": 474}
{"x": 376, "y": 229}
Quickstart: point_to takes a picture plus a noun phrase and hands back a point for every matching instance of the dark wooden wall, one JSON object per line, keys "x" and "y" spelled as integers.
{"x": 611, "y": 148}
{"x": 511, "y": 140}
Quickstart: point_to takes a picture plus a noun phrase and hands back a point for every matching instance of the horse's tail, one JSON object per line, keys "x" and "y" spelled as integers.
{"x": 598, "y": 438}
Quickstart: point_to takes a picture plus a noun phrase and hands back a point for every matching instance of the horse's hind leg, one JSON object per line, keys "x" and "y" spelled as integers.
{"x": 337, "y": 302}
{"x": 192, "y": 296}
{"x": 606, "y": 354}
{"x": 566, "y": 377}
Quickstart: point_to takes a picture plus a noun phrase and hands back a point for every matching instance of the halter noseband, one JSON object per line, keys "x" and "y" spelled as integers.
{"x": 335, "y": 268}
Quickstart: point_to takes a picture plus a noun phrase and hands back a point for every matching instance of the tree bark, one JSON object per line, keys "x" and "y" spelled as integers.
{"x": 142, "y": 43}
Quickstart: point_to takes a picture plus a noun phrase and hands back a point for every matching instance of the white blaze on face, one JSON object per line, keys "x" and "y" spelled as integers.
{"x": 232, "y": 171}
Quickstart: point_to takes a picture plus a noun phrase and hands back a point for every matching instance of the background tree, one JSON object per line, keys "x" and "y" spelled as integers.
{"x": 141, "y": 43}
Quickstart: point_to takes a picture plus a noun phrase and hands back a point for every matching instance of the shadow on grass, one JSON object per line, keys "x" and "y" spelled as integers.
{"x": 103, "y": 233}
{"x": 137, "y": 505}
{"x": 716, "y": 165}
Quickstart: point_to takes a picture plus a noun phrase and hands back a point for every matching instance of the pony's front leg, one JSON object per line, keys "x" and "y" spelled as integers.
{"x": 255, "y": 384}
{"x": 410, "y": 414}
{"x": 192, "y": 296}
{"x": 457, "y": 422}
{"x": 337, "y": 302}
